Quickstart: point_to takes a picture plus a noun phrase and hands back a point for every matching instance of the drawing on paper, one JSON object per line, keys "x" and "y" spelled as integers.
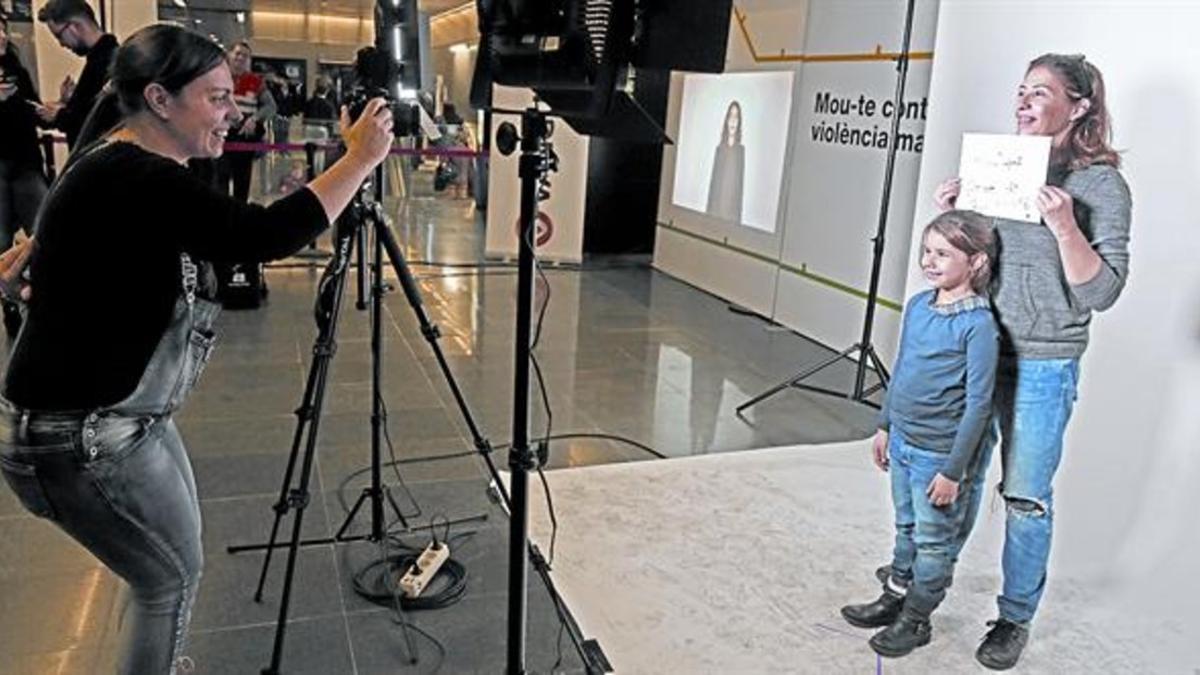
{"x": 1002, "y": 173}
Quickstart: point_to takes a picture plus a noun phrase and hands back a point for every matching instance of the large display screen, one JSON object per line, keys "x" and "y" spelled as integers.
{"x": 731, "y": 145}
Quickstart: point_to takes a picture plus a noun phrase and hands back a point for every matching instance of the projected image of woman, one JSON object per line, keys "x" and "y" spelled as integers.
{"x": 1051, "y": 277}
{"x": 729, "y": 167}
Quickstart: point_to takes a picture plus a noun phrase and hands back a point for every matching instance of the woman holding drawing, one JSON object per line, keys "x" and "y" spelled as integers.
{"x": 1050, "y": 277}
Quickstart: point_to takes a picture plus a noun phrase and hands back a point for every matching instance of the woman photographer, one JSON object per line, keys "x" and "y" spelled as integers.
{"x": 86, "y": 435}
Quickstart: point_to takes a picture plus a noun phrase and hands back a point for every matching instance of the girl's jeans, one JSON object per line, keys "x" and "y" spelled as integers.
{"x": 118, "y": 481}
{"x": 1033, "y": 403}
{"x": 926, "y": 535}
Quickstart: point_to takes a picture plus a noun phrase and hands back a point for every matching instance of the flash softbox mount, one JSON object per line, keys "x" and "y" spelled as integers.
{"x": 581, "y": 58}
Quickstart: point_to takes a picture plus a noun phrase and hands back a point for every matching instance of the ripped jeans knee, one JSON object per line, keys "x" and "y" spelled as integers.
{"x": 1025, "y": 507}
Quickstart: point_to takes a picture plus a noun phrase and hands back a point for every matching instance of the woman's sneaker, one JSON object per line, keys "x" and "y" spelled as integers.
{"x": 1002, "y": 646}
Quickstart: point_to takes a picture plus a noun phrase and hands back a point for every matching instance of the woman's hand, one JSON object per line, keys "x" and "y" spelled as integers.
{"x": 947, "y": 193}
{"x": 12, "y": 264}
{"x": 368, "y": 141}
{"x": 369, "y": 138}
{"x": 879, "y": 450}
{"x": 1058, "y": 210}
{"x": 942, "y": 491}
{"x": 66, "y": 88}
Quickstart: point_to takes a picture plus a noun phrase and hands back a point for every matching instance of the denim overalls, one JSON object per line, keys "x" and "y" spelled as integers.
{"x": 117, "y": 480}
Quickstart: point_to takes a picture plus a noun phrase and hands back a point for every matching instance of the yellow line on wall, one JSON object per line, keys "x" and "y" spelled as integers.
{"x": 783, "y": 57}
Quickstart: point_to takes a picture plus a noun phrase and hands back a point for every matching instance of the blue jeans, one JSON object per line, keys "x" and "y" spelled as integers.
{"x": 926, "y": 535}
{"x": 133, "y": 505}
{"x": 1033, "y": 403}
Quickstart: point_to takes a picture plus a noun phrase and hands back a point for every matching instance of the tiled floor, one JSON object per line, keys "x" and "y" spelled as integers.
{"x": 626, "y": 352}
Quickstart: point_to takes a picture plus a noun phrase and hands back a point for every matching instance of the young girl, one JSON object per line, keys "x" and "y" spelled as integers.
{"x": 931, "y": 426}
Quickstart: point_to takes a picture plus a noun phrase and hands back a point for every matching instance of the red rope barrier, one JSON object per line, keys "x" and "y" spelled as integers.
{"x": 237, "y": 146}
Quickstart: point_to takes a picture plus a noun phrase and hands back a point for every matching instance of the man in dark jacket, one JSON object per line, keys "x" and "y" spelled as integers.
{"x": 74, "y": 26}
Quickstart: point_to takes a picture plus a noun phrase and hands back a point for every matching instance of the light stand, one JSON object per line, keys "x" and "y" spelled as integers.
{"x": 363, "y": 214}
{"x": 581, "y": 58}
{"x": 537, "y": 159}
{"x": 533, "y": 166}
{"x": 863, "y": 347}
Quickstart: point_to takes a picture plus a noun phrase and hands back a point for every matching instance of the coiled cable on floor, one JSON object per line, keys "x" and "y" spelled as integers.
{"x": 383, "y": 588}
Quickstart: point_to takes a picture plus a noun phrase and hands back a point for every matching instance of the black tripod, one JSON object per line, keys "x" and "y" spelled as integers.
{"x": 363, "y": 214}
{"x": 865, "y": 350}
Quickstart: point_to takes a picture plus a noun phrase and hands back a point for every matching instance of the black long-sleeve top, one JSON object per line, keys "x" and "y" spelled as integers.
{"x": 18, "y": 122}
{"x": 106, "y": 271}
{"x": 70, "y": 118}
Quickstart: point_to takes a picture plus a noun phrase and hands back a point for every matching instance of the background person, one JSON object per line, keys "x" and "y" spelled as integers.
{"x": 320, "y": 118}
{"x": 1050, "y": 280}
{"x": 74, "y": 26}
{"x": 86, "y": 431}
{"x": 257, "y": 106}
{"x": 22, "y": 183}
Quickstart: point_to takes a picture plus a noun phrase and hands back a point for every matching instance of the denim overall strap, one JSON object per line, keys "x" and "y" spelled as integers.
{"x": 172, "y": 372}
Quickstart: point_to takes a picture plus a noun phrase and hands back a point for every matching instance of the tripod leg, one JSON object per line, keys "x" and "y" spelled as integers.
{"x": 328, "y": 303}
{"x": 303, "y": 414}
{"x": 301, "y": 495}
{"x": 328, "y": 308}
{"x": 791, "y": 381}
{"x": 395, "y": 508}
{"x": 431, "y": 332}
{"x": 361, "y": 247}
{"x": 362, "y": 498}
{"x": 880, "y": 369}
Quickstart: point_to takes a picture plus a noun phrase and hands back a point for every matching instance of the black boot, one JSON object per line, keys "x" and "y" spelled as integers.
{"x": 1002, "y": 645}
{"x": 875, "y": 614}
{"x": 904, "y": 635}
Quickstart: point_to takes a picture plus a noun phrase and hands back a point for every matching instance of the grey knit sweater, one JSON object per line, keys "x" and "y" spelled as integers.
{"x": 1041, "y": 315}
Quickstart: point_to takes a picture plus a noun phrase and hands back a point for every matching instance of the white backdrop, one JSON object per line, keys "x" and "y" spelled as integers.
{"x": 799, "y": 274}
{"x": 1126, "y": 492}
{"x": 837, "y": 185}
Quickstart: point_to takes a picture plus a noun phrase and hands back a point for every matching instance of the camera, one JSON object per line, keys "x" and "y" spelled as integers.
{"x": 406, "y": 115}
{"x": 390, "y": 66}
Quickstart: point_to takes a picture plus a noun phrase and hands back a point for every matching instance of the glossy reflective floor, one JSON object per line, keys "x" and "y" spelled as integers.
{"x": 630, "y": 358}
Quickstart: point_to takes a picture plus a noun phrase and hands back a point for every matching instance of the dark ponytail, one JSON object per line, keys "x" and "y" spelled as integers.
{"x": 103, "y": 118}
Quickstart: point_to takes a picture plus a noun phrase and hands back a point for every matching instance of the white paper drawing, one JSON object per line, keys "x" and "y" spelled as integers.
{"x": 1002, "y": 173}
